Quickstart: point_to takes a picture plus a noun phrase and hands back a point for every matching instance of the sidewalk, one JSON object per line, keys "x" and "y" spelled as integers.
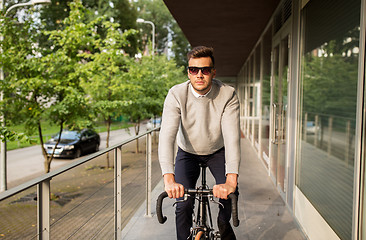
{"x": 262, "y": 212}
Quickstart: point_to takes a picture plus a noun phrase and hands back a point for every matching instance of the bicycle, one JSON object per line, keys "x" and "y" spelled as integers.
{"x": 203, "y": 194}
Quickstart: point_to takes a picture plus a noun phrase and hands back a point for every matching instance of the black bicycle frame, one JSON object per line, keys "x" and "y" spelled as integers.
{"x": 204, "y": 206}
{"x": 204, "y": 193}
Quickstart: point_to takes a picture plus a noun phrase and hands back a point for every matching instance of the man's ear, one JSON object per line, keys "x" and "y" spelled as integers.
{"x": 189, "y": 75}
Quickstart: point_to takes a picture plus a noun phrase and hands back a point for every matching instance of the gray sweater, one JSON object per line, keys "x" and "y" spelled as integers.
{"x": 204, "y": 125}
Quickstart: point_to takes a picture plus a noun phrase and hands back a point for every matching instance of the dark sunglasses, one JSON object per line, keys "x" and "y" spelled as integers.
{"x": 204, "y": 70}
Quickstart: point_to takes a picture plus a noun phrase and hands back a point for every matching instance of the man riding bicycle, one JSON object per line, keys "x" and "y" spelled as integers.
{"x": 203, "y": 115}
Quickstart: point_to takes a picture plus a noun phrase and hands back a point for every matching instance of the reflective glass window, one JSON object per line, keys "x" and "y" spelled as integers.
{"x": 266, "y": 94}
{"x": 329, "y": 69}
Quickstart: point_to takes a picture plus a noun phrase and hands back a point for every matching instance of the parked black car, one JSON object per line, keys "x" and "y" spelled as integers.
{"x": 73, "y": 144}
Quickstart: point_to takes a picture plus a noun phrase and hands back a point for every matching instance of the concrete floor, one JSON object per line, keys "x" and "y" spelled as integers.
{"x": 262, "y": 212}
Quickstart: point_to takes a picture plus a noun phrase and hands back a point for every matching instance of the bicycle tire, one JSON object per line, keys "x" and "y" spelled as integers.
{"x": 199, "y": 235}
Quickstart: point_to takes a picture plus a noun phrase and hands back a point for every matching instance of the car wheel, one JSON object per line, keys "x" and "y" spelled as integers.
{"x": 77, "y": 153}
{"x": 97, "y": 147}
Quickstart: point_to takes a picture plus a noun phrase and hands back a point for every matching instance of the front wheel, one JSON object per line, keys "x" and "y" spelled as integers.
{"x": 199, "y": 235}
{"x": 77, "y": 153}
{"x": 96, "y": 148}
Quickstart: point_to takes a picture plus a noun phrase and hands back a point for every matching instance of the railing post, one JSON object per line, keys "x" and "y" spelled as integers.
{"x": 305, "y": 125}
{"x": 348, "y": 134}
{"x": 43, "y": 208}
{"x": 148, "y": 174}
{"x": 330, "y": 132}
{"x": 316, "y": 132}
{"x": 117, "y": 193}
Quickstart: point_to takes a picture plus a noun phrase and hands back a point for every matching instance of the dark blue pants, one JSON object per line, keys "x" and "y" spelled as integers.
{"x": 187, "y": 172}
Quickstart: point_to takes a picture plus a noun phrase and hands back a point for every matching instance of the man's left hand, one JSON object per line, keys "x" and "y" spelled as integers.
{"x": 223, "y": 190}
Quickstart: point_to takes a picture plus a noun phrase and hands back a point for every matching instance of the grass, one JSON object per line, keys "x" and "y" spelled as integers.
{"x": 49, "y": 130}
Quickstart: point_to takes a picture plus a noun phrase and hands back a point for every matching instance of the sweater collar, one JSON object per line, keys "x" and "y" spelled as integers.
{"x": 197, "y": 95}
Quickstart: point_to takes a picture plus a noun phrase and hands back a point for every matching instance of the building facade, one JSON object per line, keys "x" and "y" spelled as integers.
{"x": 302, "y": 107}
{"x": 302, "y": 94}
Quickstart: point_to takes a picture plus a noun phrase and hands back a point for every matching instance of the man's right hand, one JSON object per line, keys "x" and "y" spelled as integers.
{"x": 173, "y": 189}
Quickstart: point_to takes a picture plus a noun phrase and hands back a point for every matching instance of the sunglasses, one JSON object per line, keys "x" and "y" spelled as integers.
{"x": 204, "y": 70}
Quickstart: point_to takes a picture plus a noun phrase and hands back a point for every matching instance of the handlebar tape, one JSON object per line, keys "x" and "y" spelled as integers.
{"x": 234, "y": 209}
{"x": 234, "y": 203}
{"x": 159, "y": 212}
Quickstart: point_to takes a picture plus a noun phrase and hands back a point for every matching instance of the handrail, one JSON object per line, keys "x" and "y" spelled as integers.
{"x": 47, "y": 176}
{"x": 44, "y": 184}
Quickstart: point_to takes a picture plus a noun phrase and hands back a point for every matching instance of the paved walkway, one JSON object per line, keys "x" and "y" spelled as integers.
{"x": 262, "y": 212}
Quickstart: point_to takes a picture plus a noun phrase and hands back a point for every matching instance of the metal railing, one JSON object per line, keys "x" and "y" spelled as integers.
{"x": 43, "y": 184}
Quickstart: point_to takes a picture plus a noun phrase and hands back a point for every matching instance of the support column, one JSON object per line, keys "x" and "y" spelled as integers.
{"x": 43, "y": 208}
{"x": 118, "y": 193}
{"x": 148, "y": 174}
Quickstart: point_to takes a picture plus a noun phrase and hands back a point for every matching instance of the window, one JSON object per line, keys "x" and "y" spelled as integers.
{"x": 329, "y": 68}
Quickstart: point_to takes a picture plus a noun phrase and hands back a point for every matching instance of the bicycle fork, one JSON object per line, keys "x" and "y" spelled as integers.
{"x": 203, "y": 209}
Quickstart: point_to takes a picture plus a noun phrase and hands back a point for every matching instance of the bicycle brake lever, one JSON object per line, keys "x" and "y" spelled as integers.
{"x": 185, "y": 199}
{"x": 178, "y": 201}
{"x": 217, "y": 202}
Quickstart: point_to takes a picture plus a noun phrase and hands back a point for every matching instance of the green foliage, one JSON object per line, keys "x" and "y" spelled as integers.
{"x": 22, "y": 70}
{"x": 330, "y": 85}
{"x": 121, "y": 11}
{"x": 101, "y": 71}
{"x": 10, "y": 135}
{"x": 167, "y": 29}
{"x": 152, "y": 78}
{"x": 85, "y": 73}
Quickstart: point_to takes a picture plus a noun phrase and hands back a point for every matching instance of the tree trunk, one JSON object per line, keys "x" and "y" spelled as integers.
{"x": 107, "y": 140}
{"x": 47, "y": 164}
{"x": 44, "y": 152}
{"x": 48, "y": 160}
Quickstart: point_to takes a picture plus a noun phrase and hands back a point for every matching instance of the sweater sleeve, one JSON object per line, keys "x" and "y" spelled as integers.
{"x": 168, "y": 133}
{"x": 230, "y": 125}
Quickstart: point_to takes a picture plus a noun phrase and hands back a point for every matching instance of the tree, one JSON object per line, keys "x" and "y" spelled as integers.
{"x": 103, "y": 74}
{"x": 45, "y": 85}
{"x": 152, "y": 78}
{"x": 17, "y": 62}
{"x": 330, "y": 83}
{"x": 167, "y": 30}
{"x": 117, "y": 11}
{"x": 329, "y": 86}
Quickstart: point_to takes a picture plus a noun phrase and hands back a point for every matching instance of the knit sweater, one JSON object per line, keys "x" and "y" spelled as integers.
{"x": 204, "y": 125}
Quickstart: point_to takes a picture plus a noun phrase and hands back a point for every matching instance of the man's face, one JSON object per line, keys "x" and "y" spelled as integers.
{"x": 201, "y": 83}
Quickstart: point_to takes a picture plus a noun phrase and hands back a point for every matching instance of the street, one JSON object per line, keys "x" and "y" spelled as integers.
{"x": 26, "y": 163}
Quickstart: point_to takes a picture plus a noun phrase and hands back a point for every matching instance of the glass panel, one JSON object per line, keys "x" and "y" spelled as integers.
{"x": 329, "y": 71}
{"x": 257, "y": 67}
{"x": 82, "y": 205}
{"x": 266, "y": 94}
{"x": 242, "y": 101}
{"x": 283, "y": 113}
{"x": 245, "y": 99}
{"x": 19, "y": 216}
{"x": 275, "y": 111}
{"x": 250, "y": 87}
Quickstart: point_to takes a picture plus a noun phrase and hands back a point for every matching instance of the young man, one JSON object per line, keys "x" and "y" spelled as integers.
{"x": 205, "y": 114}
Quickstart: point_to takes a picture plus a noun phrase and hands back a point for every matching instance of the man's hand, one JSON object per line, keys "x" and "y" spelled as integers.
{"x": 223, "y": 190}
{"x": 174, "y": 190}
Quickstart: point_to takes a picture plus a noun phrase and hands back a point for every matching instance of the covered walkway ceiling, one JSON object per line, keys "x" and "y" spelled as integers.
{"x": 231, "y": 27}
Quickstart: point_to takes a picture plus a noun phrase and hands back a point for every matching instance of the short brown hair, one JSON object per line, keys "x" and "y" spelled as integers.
{"x": 201, "y": 51}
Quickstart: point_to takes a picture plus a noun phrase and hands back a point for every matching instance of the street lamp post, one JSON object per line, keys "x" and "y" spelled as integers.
{"x": 140, "y": 20}
{"x": 3, "y": 177}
